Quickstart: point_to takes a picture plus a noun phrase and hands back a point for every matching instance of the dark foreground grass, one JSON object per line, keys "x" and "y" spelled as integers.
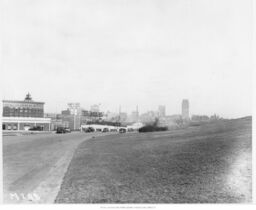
{"x": 207, "y": 164}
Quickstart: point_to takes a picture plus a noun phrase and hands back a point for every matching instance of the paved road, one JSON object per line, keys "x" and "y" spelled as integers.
{"x": 34, "y": 165}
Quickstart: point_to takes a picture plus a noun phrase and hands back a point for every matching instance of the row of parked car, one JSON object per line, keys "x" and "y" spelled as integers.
{"x": 63, "y": 130}
{"x": 91, "y": 129}
{"x": 120, "y": 130}
{"x": 36, "y": 128}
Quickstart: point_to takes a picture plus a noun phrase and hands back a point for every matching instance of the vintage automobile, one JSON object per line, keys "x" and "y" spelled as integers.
{"x": 67, "y": 130}
{"x": 105, "y": 130}
{"x": 61, "y": 130}
{"x": 36, "y": 128}
{"x": 89, "y": 130}
{"x": 122, "y": 130}
{"x": 130, "y": 129}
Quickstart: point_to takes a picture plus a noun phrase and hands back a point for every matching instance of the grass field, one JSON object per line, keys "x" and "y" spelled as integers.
{"x": 205, "y": 164}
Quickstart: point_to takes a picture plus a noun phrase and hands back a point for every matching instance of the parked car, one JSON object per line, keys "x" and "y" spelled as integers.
{"x": 61, "y": 130}
{"x": 36, "y": 128}
{"x": 105, "y": 130}
{"x": 67, "y": 130}
{"x": 130, "y": 130}
{"x": 122, "y": 130}
{"x": 88, "y": 130}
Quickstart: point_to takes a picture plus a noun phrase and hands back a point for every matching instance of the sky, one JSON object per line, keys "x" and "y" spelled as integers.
{"x": 130, "y": 52}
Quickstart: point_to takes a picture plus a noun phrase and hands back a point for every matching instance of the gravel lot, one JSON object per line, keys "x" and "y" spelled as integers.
{"x": 205, "y": 164}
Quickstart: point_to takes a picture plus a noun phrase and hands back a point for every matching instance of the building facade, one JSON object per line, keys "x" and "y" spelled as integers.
{"x": 149, "y": 117}
{"x": 134, "y": 117}
{"x": 75, "y": 116}
{"x": 26, "y": 108}
{"x": 56, "y": 121}
{"x": 23, "y": 115}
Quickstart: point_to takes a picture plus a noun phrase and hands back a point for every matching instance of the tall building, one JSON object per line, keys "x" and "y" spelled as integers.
{"x": 185, "y": 109}
{"x": 90, "y": 116}
{"x": 74, "y": 108}
{"x": 72, "y": 116}
{"x": 134, "y": 117}
{"x": 23, "y": 115}
{"x": 122, "y": 116}
{"x": 161, "y": 111}
{"x": 95, "y": 108}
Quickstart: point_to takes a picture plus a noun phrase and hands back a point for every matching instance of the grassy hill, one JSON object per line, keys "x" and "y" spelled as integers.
{"x": 210, "y": 163}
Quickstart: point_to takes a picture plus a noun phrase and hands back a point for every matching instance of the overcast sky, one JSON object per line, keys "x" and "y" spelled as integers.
{"x": 129, "y": 52}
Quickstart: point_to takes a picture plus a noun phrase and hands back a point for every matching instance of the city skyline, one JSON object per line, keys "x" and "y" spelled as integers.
{"x": 159, "y": 112}
{"x": 130, "y": 53}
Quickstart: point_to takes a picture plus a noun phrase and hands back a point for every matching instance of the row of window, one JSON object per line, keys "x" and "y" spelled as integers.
{"x": 9, "y": 127}
{"x": 22, "y": 126}
{"x": 17, "y": 112}
{"x": 22, "y": 110}
{"x": 22, "y": 115}
{"x": 25, "y": 111}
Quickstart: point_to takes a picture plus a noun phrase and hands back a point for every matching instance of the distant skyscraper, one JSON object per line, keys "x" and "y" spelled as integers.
{"x": 95, "y": 108}
{"x": 185, "y": 109}
{"x": 135, "y": 115}
{"x": 161, "y": 111}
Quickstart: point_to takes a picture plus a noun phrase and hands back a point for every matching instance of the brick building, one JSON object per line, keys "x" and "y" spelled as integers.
{"x": 23, "y": 115}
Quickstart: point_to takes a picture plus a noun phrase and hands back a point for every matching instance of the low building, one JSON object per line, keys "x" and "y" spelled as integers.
{"x": 23, "y": 115}
{"x": 56, "y": 121}
{"x": 148, "y": 117}
{"x": 200, "y": 118}
{"x": 72, "y": 121}
{"x": 170, "y": 121}
{"x": 75, "y": 116}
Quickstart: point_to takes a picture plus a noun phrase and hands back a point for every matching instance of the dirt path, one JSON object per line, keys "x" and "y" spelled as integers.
{"x": 34, "y": 165}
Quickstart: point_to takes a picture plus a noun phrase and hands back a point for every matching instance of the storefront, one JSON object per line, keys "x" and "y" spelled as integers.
{"x": 24, "y": 123}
